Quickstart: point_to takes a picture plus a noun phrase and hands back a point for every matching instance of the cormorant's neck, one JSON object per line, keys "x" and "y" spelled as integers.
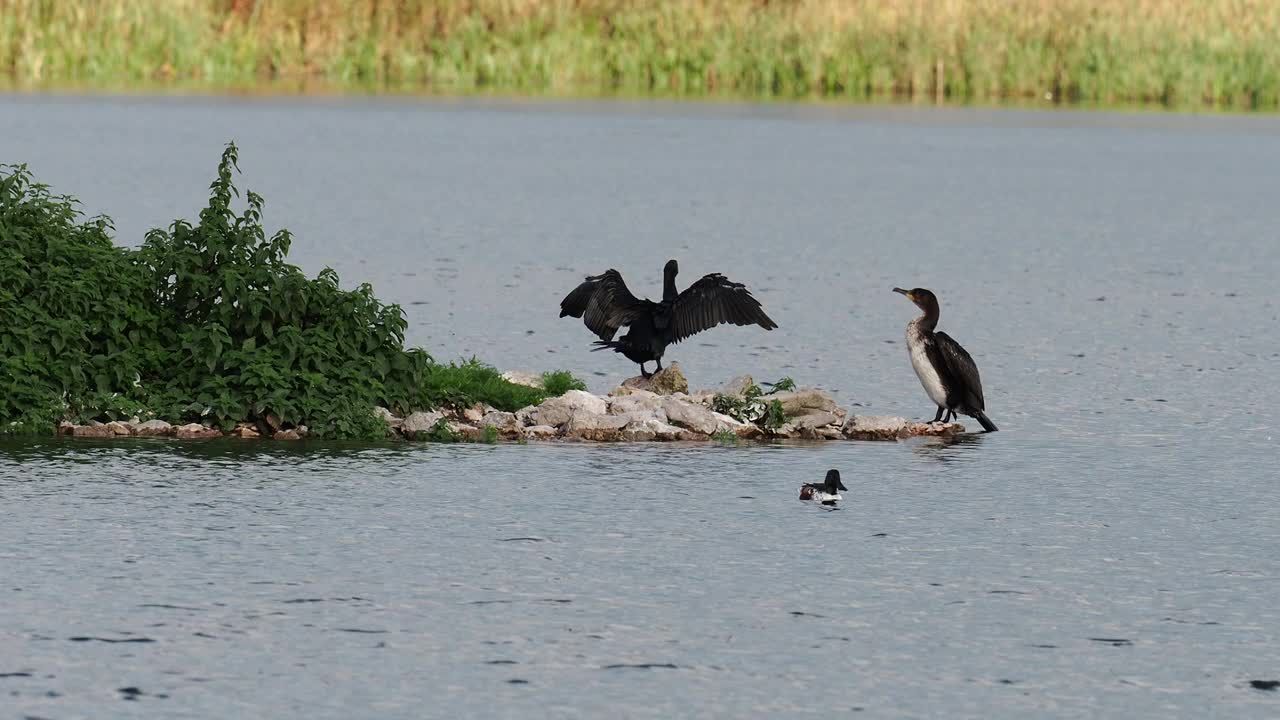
{"x": 929, "y": 320}
{"x": 669, "y": 285}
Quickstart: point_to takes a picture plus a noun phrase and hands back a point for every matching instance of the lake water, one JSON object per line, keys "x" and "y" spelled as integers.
{"x": 1113, "y": 551}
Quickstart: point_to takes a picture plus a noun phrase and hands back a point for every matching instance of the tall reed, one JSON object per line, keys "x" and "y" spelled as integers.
{"x": 1173, "y": 52}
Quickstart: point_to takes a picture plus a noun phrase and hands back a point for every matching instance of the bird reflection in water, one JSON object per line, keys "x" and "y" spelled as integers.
{"x": 949, "y": 448}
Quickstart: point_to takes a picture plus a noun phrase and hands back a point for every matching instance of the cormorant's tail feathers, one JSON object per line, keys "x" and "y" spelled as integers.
{"x": 985, "y": 421}
{"x": 615, "y": 345}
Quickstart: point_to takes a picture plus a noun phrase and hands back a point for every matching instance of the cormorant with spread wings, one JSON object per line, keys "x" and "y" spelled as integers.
{"x": 605, "y": 304}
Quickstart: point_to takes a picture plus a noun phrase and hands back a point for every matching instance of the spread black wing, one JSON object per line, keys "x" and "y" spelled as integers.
{"x": 604, "y": 303}
{"x": 961, "y": 373}
{"x": 713, "y": 300}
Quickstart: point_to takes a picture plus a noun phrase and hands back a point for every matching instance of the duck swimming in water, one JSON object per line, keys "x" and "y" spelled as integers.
{"x": 827, "y": 492}
{"x": 948, "y": 374}
{"x": 605, "y": 304}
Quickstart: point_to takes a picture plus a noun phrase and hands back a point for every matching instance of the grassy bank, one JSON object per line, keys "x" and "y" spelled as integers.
{"x": 1172, "y": 52}
{"x": 206, "y": 322}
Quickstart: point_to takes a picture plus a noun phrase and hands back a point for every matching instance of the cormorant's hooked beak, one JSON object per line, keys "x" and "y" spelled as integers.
{"x": 904, "y": 292}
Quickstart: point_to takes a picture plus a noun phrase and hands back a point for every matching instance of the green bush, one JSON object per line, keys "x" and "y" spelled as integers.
{"x": 558, "y": 382}
{"x": 75, "y": 338}
{"x": 205, "y": 322}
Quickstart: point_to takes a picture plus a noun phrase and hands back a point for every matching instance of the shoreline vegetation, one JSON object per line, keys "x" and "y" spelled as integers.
{"x": 1170, "y": 53}
{"x": 206, "y": 324}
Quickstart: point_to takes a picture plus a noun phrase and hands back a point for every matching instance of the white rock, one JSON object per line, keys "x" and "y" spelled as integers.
{"x": 666, "y": 381}
{"x": 119, "y": 428}
{"x": 879, "y": 427}
{"x": 390, "y": 417}
{"x": 649, "y": 429}
{"x": 99, "y": 430}
{"x": 690, "y": 415}
{"x": 523, "y": 378}
{"x": 788, "y": 430}
{"x": 803, "y": 401}
{"x": 525, "y": 415}
{"x": 815, "y": 420}
{"x": 503, "y": 421}
{"x": 592, "y": 421}
{"x": 462, "y": 429}
{"x": 420, "y": 423}
{"x": 641, "y": 403}
{"x": 558, "y": 411}
{"x": 600, "y": 428}
{"x": 192, "y": 431}
{"x": 702, "y": 397}
{"x": 540, "y": 431}
{"x": 728, "y": 423}
{"x": 737, "y": 387}
{"x": 153, "y": 428}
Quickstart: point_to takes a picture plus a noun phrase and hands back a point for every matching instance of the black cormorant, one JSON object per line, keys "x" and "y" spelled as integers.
{"x": 605, "y": 304}
{"x": 827, "y": 492}
{"x": 947, "y": 372}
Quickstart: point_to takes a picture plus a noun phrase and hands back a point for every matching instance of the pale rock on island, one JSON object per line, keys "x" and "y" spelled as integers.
{"x": 659, "y": 408}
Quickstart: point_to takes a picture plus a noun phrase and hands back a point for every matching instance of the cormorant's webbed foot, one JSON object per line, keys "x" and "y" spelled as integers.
{"x": 951, "y": 415}
{"x": 644, "y": 374}
{"x": 938, "y": 417}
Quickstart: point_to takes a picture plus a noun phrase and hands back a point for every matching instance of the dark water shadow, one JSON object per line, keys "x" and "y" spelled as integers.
{"x": 168, "y": 461}
{"x": 949, "y": 449}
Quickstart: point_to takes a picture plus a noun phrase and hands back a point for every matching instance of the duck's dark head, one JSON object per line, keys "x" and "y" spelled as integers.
{"x": 671, "y": 268}
{"x": 924, "y": 299}
{"x": 833, "y": 480}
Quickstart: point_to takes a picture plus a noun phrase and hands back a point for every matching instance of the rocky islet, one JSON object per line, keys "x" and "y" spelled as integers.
{"x": 655, "y": 409}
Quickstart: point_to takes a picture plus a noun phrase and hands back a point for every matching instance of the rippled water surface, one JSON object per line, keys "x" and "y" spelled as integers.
{"x": 1111, "y": 552}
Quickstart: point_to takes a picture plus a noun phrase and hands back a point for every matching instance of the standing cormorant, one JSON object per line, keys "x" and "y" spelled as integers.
{"x": 947, "y": 372}
{"x": 605, "y": 304}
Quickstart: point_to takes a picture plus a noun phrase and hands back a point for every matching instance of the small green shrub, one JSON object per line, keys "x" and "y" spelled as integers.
{"x": 749, "y": 408}
{"x": 753, "y": 406}
{"x": 724, "y": 437}
{"x": 558, "y": 382}
{"x": 774, "y": 416}
{"x": 470, "y": 382}
{"x": 786, "y": 384}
